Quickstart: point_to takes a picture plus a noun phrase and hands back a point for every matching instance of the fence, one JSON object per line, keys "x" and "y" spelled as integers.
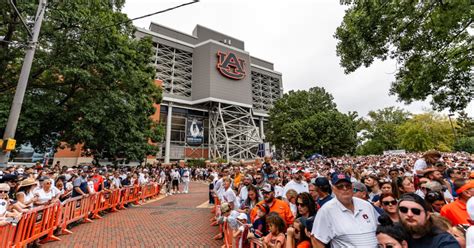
{"x": 42, "y": 222}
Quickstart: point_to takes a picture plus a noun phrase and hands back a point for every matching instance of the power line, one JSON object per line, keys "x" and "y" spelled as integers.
{"x": 148, "y": 15}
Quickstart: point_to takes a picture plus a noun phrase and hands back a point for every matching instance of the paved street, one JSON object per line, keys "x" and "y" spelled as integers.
{"x": 170, "y": 222}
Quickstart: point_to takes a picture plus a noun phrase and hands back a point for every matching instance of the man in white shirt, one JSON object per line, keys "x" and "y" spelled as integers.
{"x": 345, "y": 221}
{"x": 297, "y": 183}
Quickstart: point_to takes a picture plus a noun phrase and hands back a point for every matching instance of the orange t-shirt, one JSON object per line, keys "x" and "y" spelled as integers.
{"x": 273, "y": 240}
{"x": 280, "y": 207}
{"x": 304, "y": 244}
{"x": 455, "y": 212}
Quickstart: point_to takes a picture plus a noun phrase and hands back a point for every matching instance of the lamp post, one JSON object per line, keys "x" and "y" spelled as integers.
{"x": 452, "y": 128}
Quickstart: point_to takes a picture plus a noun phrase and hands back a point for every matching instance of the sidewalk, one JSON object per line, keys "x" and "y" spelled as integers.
{"x": 170, "y": 222}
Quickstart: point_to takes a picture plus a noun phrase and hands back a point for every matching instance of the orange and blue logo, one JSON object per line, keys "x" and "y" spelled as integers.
{"x": 230, "y": 66}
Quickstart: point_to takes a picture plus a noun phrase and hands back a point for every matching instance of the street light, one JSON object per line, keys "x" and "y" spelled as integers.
{"x": 452, "y": 127}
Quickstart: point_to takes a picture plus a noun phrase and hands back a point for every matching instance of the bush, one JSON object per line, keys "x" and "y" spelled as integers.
{"x": 196, "y": 163}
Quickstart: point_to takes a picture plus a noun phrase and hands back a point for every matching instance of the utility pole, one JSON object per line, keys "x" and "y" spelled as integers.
{"x": 15, "y": 109}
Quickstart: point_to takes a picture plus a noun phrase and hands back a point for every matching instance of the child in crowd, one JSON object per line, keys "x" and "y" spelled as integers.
{"x": 242, "y": 231}
{"x": 277, "y": 228}
{"x": 259, "y": 226}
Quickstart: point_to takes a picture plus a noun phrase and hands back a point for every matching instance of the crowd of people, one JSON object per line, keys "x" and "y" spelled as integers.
{"x": 409, "y": 200}
{"x": 406, "y": 200}
{"x": 24, "y": 188}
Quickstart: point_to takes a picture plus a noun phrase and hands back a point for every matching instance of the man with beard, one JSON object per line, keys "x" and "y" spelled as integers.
{"x": 344, "y": 221}
{"x": 417, "y": 222}
{"x": 243, "y": 191}
{"x": 278, "y": 206}
{"x": 297, "y": 183}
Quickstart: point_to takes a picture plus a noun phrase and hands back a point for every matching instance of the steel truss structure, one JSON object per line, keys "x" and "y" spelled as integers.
{"x": 175, "y": 68}
{"x": 233, "y": 134}
{"x": 265, "y": 91}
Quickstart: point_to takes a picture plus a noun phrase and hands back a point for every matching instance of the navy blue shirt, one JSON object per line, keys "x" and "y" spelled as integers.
{"x": 436, "y": 238}
{"x": 321, "y": 202}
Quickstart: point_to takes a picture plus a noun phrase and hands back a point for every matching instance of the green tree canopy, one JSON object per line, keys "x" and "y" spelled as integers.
{"x": 306, "y": 122}
{"x": 426, "y": 131}
{"x": 428, "y": 39}
{"x": 91, "y": 81}
{"x": 380, "y": 130}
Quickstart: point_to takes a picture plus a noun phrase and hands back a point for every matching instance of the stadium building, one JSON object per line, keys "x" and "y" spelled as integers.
{"x": 216, "y": 96}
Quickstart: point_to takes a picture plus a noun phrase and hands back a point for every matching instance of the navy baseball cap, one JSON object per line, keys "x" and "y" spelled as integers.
{"x": 337, "y": 177}
{"x": 321, "y": 181}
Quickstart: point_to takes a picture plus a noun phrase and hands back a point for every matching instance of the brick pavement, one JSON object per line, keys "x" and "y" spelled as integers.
{"x": 170, "y": 222}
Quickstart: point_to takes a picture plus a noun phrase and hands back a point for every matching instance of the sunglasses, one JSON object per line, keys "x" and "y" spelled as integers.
{"x": 344, "y": 186}
{"x": 258, "y": 178}
{"x": 415, "y": 211}
{"x": 300, "y": 204}
{"x": 389, "y": 245}
{"x": 388, "y": 203}
{"x": 1, "y": 191}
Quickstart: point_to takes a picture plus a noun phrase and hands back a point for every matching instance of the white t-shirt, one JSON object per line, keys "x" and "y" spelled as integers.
{"x": 299, "y": 187}
{"x": 470, "y": 237}
{"x": 279, "y": 191}
{"x": 243, "y": 193}
{"x": 230, "y": 197}
{"x": 420, "y": 164}
{"x": 336, "y": 224}
{"x": 3, "y": 207}
{"x": 46, "y": 196}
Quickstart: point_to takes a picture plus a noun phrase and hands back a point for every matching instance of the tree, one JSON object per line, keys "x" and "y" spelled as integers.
{"x": 380, "y": 130}
{"x": 91, "y": 82}
{"x": 428, "y": 39}
{"x": 426, "y": 131}
{"x": 305, "y": 122}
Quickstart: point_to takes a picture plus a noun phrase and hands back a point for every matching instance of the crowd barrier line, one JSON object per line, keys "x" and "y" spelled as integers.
{"x": 42, "y": 222}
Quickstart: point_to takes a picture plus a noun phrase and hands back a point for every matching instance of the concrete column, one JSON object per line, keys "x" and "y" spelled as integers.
{"x": 168, "y": 133}
{"x": 262, "y": 134}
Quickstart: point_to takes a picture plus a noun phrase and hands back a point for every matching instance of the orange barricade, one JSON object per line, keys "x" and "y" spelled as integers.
{"x": 228, "y": 237}
{"x": 7, "y": 233}
{"x": 36, "y": 223}
{"x": 106, "y": 200}
{"x": 130, "y": 195}
{"x": 75, "y": 209}
{"x": 149, "y": 191}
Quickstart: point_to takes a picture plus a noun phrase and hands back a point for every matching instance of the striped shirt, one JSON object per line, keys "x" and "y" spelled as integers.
{"x": 341, "y": 227}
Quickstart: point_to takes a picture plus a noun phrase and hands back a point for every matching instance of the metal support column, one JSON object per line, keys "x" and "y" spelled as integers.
{"x": 168, "y": 133}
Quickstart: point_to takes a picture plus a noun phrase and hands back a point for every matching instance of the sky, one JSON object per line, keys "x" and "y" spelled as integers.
{"x": 297, "y": 36}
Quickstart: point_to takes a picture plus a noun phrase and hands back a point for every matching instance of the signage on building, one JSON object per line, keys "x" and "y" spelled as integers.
{"x": 194, "y": 132}
{"x": 230, "y": 65}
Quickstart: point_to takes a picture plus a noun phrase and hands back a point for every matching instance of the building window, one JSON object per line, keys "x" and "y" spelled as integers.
{"x": 265, "y": 91}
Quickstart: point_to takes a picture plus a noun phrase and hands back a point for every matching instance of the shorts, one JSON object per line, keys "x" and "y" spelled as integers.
{"x": 175, "y": 183}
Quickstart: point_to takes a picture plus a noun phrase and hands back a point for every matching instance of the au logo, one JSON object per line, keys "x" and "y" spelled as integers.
{"x": 230, "y": 66}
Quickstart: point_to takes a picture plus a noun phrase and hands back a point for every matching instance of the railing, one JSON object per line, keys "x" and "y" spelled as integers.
{"x": 42, "y": 222}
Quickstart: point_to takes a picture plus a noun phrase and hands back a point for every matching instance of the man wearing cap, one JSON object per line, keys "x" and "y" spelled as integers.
{"x": 456, "y": 211}
{"x": 297, "y": 183}
{"x": 278, "y": 206}
{"x": 272, "y": 180}
{"x": 417, "y": 222}
{"x": 345, "y": 221}
{"x": 323, "y": 191}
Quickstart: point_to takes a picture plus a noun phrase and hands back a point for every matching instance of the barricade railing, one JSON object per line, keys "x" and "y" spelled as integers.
{"x": 41, "y": 222}
{"x": 107, "y": 199}
{"x": 130, "y": 195}
{"x": 75, "y": 209}
{"x": 229, "y": 241}
{"x": 36, "y": 223}
{"x": 7, "y": 233}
